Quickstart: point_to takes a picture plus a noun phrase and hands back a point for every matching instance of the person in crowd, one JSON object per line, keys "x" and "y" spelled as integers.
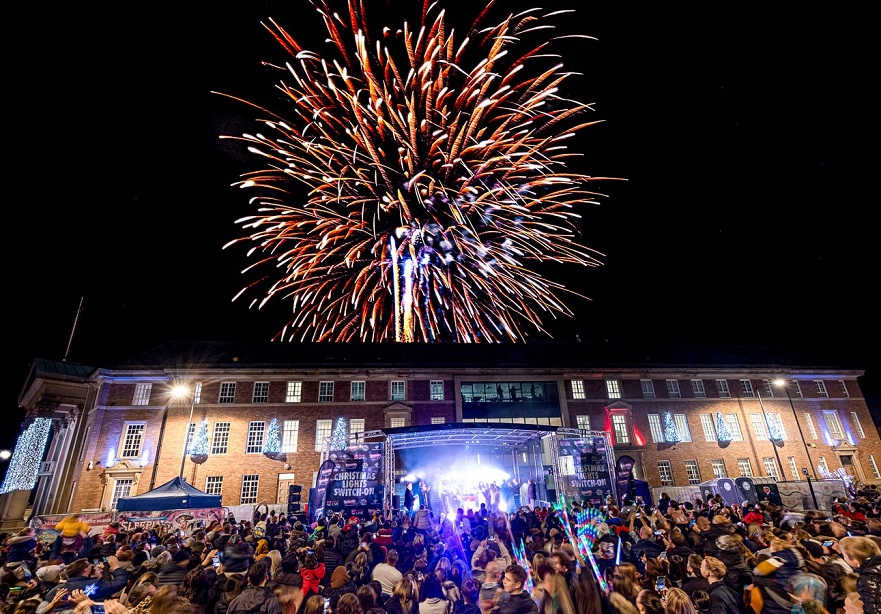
{"x": 864, "y": 556}
{"x": 367, "y": 598}
{"x": 340, "y": 584}
{"x": 256, "y": 597}
{"x": 677, "y": 601}
{"x": 722, "y": 597}
{"x": 518, "y": 601}
{"x": 404, "y": 598}
{"x": 387, "y": 573}
{"x": 83, "y": 574}
{"x": 232, "y": 585}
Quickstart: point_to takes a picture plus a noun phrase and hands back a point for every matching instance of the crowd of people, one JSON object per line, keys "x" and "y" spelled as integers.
{"x": 674, "y": 557}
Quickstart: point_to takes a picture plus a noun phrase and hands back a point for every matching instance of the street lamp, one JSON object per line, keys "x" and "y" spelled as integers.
{"x": 773, "y": 441}
{"x": 780, "y": 382}
{"x": 180, "y": 392}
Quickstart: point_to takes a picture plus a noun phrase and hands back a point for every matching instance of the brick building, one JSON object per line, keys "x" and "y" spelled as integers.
{"x": 685, "y": 414}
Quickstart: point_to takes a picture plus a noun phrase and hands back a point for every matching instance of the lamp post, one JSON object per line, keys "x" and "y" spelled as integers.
{"x": 773, "y": 442}
{"x": 780, "y": 382}
{"x": 183, "y": 456}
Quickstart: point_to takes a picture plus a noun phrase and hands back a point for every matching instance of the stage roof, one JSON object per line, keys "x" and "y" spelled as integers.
{"x": 478, "y": 434}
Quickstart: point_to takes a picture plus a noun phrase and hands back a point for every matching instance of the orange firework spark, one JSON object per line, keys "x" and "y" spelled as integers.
{"x": 435, "y": 173}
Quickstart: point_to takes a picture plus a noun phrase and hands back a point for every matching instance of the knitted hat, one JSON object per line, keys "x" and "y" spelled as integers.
{"x": 50, "y": 573}
{"x": 339, "y": 578}
{"x": 814, "y": 548}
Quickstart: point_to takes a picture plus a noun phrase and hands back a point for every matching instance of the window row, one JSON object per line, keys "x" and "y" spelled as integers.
{"x": 674, "y": 428}
{"x": 614, "y": 389}
{"x": 247, "y": 494}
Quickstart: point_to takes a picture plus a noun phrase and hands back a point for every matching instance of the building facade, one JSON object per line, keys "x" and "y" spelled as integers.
{"x": 255, "y": 419}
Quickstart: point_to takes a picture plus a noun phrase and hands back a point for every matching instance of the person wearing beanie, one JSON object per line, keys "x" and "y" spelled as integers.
{"x": 340, "y": 584}
{"x": 82, "y": 573}
{"x": 261, "y": 550}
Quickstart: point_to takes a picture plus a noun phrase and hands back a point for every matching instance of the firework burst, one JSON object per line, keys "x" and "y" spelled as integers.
{"x": 415, "y": 181}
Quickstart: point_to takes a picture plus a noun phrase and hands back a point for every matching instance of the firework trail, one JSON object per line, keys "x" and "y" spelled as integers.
{"x": 415, "y": 181}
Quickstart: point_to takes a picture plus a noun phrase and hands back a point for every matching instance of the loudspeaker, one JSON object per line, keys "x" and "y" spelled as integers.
{"x": 293, "y": 508}
{"x": 294, "y": 493}
{"x": 748, "y": 489}
{"x": 396, "y": 502}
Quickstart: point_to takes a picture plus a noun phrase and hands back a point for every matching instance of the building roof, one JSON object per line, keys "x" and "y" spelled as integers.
{"x": 491, "y": 435}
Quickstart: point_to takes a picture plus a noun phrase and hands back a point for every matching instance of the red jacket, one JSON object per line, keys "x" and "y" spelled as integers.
{"x": 754, "y": 517}
{"x": 312, "y": 578}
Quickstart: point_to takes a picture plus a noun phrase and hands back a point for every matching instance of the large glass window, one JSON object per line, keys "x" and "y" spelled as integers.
{"x": 261, "y": 392}
{"x": 214, "y": 485}
{"x": 693, "y": 472}
{"x": 622, "y": 432}
{"x": 121, "y": 488}
{"x": 665, "y": 471}
{"x": 227, "y": 392}
{"x": 250, "y": 484}
{"x": 583, "y": 422}
{"x": 356, "y": 427}
{"x": 322, "y": 432}
{"x": 293, "y": 392}
{"x": 398, "y": 390}
{"x": 256, "y": 430}
{"x": 220, "y": 440}
{"x": 673, "y": 389}
{"x": 697, "y": 388}
{"x": 290, "y": 435}
{"x": 719, "y": 470}
{"x": 142, "y": 394}
{"x": 325, "y": 392}
{"x": 745, "y": 467}
{"x": 437, "y": 390}
{"x": 486, "y": 392}
{"x": 723, "y": 389}
{"x": 709, "y": 427}
{"x": 833, "y": 423}
{"x": 771, "y": 467}
{"x": 132, "y": 438}
{"x": 648, "y": 388}
{"x": 613, "y": 388}
{"x": 357, "y": 391}
{"x": 578, "y": 389}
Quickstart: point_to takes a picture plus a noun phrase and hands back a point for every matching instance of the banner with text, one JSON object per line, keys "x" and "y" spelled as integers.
{"x": 584, "y": 469}
{"x": 354, "y": 487}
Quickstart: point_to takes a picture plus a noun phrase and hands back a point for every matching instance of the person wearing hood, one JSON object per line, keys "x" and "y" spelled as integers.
{"x": 22, "y": 548}
{"x": 731, "y": 551}
{"x": 312, "y": 571}
{"x": 261, "y": 550}
{"x": 256, "y": 598}
{"x": 237, "y": 555}
{"x": 719, "y": 526}
{"x": 340, "y": 584}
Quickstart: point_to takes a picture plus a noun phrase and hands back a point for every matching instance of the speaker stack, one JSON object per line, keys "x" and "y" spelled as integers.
{"x": 295, "y": 495}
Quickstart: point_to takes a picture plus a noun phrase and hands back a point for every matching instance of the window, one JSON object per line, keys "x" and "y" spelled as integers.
{"x": 121, "y": 488}
{"x": 397, "y": 390}
{"x": 759, "y": 429}
{"x": 857, "y": 425}
{"x": 673, "y": 389}
{"x": 682, "y": 427}
{"x": 697, "y": 388}
{"x": 746, "y": 388}
{"x": 227, "y": 392}
{"x": 357, "y": 391}
{"x": 582, "y": 422}
{"x": 719, "y": 470}
{"x": 767, "y": 388}
{"x": 648, "y": 388}
{"x": 293, "y": 392}
{"x": 220, "y": 440}
{"x": 613, "y": 388}
{"x": 797, "y": 388}
{"x": 822, "y": 466}
{"x": 666, "y": 473}
{"x": 438, "y": 420}
{"x": 197, "y": 393}
{"x": 356, "y": 427}
{"x": 142, "y": 394}
{"x": 619, "y": 424}
{"x": 810, "y": 422}
{"x": 578, "y": 389}
{"x": 290, "y": 435}
{"x": 249, "y": 489}
{"x": 655, "y": 428}
{"x": 261, "y": 392}
{"x": 132, "y": 438}
{"x": 833, "y": 424}
{"x": 874, "y": 467}
{"x": 693, "y": 472}
{"x": 256, "y": 428}
{"x": 821, "y": 388}
{"x": 397, "y": 423}
{"x": 567, "y": 465}
{"x": 214, "y": 485}
{"x": 191, "y": 433}
{"x": 745, "y": 467}
{"x": 437, "y": 390}
{"x": 722, "y": 388}
{"x": 770, "y": 467}
{"x": 734, "y": 426}
{"x": 793, "y": 468}
{"x": 325, "y": 392}
{"x": 709, "y": 427}
{"x": 844, "y": 391}
{"x": 322, "y": 432}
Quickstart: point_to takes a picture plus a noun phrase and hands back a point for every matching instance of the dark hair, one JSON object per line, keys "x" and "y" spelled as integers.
{"x": 257, "y": 574}
{"x": 366, "y": 597}
{"x": 516, "y": 572}
{"x": 470, "y": 590}
{"x": 701, "y": 600}
{"x": 431, "y": 587}
{"x": 348, "y": 603}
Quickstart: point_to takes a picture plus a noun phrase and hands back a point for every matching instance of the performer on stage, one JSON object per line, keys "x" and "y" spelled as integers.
{"x": 425, "y": 494}
{"x": 409, "y": 499}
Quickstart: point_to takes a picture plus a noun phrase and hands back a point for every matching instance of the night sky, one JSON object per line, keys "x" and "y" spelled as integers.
{"x": 741, "y": 134}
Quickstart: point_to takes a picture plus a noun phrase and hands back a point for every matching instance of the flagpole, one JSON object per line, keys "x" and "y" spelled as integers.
{"x": 73, "y": 330}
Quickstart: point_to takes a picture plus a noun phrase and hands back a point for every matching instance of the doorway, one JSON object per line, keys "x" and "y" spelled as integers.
{"x": 285, "y": 480}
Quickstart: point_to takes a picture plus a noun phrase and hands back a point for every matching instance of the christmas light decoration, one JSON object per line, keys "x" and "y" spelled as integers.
{"x": 722, "y": 432}
{"x": 199, "y": 445}
{"x": 25, "y": 461}
{"x": 671, "y": 435}
{"x": 272, "y": 442}
{"x": 774, "y": 433}
{"x": 340, "y": 438}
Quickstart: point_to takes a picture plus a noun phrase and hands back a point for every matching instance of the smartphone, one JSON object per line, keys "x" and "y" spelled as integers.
{"x": 215, "y": 561}
{"x": 662, "y": 556}
{"x": 104, "y": 558}
{"x": 662, "y": 583}
{"x": 326, "y": 604}
{"x": 659, "y": 532}
{"x": 637, "y": 515}
{"x": 828, "y": 544}
{"x": 96, "y": 562}
{"x": 97, "y": 608}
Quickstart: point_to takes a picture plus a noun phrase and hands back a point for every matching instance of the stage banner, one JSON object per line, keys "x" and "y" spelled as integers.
{"x": 325, "y": 471}
{"x": 173, "y": 520}
{"x": 584, "y": 466}
{"x": 624, "y": 479}
{"x": 44, "y": 526}
{"x": 355, "y": 487}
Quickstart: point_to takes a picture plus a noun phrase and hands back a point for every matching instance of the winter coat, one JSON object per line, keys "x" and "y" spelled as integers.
{"x": 333, "y": 594}
{"x": 20, "y": 548}
{"x": 104, "y": 588}
{"x": 780, "y": 567}
{"x": 312, "y": 579}
{"x": 739, "y": 573}
{"x": 237, "y": 557}
{"x": 521, "y": 603}
{"x": 393, "y": 606}
{"x": 869, "y": 584}
{"x": 723, "y": 599}
{"x": 255, "y": 600}
{"x": 708, "y": 545}
{"x": 171, "y": 573}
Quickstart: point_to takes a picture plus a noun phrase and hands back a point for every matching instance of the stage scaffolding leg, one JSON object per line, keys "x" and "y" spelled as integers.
{"x": 389, "y": 470}
{"x": 555, "y": 466}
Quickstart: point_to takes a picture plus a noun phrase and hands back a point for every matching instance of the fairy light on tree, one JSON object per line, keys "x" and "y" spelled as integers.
{"x": 199, "y": 445}
{"x": 671, "y": 435}
{"x": 272, "y": 441}
{"x": 723, "y": 433}
{"x": 340, "y": 438}
{"x": 25, "y": 462}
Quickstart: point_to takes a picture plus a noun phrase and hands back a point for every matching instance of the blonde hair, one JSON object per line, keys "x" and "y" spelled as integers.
{"x": 405, "y": 591}
{"x": 715, "y": 567}
{"x": 859, "y": 548}
{"x": 560, "y": 599}
{"x": 678, "y": 602}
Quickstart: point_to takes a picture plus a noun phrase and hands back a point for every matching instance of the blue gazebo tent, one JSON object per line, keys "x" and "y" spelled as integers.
{"x": 173, "y": 495}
